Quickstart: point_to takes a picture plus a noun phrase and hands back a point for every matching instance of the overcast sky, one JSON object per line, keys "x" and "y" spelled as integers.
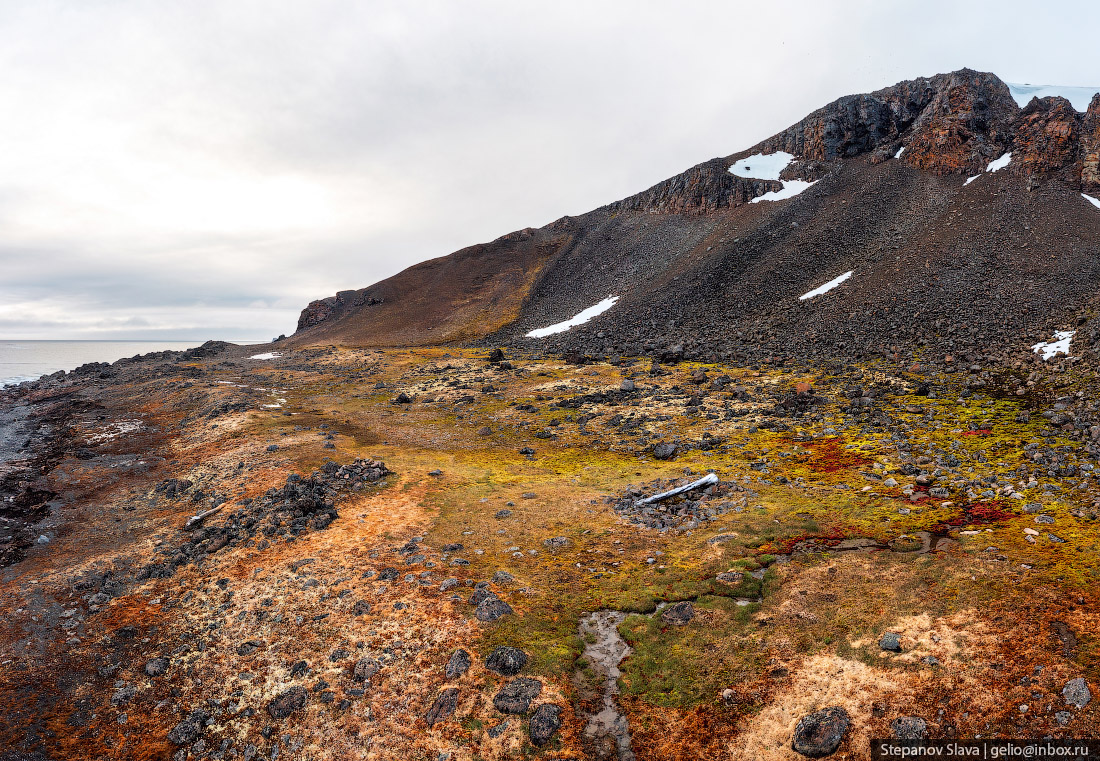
{"x": 203, "y": 169}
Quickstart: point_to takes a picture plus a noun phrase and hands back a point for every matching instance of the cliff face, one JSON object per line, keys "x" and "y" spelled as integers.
{"x": 695, "y": 255}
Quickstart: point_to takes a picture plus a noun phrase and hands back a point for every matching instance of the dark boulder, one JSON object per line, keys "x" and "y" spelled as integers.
{"x": 516, "y": 696}
{"x": 545, "y": 722}
{"x": 458, "y": 664}
{"x": 506, "y": 661}
{"x": 678, "y": 614}
{"x": 288, "y": 702}
{"x": 443, "y": 707}
{"x": 820, "y": 733}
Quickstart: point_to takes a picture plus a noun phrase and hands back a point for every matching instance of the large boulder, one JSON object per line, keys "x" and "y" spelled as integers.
{"x": 819, "y": 734}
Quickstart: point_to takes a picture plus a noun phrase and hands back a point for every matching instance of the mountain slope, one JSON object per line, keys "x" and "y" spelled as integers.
{"x": 945, "y": 254}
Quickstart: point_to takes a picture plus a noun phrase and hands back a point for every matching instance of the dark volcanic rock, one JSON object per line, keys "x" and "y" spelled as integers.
{"x": 678, "y": 614}
{"x": 458, "y": 664}
{"x": 516, "y": 695}
{"x": 545, "y": 721}
{"x": 156, "y": 666}
{"x": 506, "y": 661}
{"x": 909, "y": 728}
{"x": 365, "y": 669}
{"x": 890, "y": 641}
{"x": 443, "y": 707}
{"x": 820, "y": 733}
{"x": 288, "y": 702}
{"x": 492, "y": 608}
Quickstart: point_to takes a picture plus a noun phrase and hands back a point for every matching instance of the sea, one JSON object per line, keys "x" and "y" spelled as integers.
{"x": 27, "y": 360}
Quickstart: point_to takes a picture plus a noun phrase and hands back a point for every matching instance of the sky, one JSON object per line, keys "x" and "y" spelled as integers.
{"x": 205, "y": 169}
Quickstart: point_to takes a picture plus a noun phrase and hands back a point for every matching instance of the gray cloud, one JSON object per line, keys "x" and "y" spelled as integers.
{"x": 204, "y": 169}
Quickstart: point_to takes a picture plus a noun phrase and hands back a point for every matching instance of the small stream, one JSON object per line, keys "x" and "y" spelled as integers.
{"x": 607, "y": 728}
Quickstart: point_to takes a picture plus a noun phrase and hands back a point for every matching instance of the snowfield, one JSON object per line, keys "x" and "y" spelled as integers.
{"x": 1079, "y": 97}
{"x": 266, "y": 355}
{"x": 578, "y": 319}
{"x": 999, "y": 163}
{"x": 1060, "y": 344}
{"x": 762, "y": 166}
{"x": 827, "y": 287}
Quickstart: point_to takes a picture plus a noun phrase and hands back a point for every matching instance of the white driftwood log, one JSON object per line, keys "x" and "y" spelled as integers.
{"x": 707, "y": 480}
{"x": 195, "y": 520}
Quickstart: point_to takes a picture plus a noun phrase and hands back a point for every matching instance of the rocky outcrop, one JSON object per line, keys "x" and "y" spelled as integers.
{"x": 1090, "y": 147}
{"x": 701, "y": 189}
{"x": 1047, "y": 136}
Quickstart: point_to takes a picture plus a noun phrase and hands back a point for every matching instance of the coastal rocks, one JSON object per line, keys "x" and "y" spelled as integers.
{"x": 545, "y": 722}
{"x": 1076, "y": 692}
{"x": 506, "y": 661}
{"x": 820, "y": 733}
{"x": 516, "y": 695}
{"x": 443, "y": 707}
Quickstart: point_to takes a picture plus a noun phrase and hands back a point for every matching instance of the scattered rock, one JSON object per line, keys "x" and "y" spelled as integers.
{"x": 492, "y": 608}
{"x": 365, "y": 669}
{"x": 156, "y": 666}
{"x": 678, "y": 614}
{"x": 443, "y": 707}
{"x": 288, "y": 702}
{"x": 506, "y": 661}
{"x": 545, "y": 722}
{"x": 1076, "y": 692}
{"x": 556, "y": 542}
{"x": 665, "y": 451}
{"x": 458, "y": 664}
{"x": 820, "y": 733}
{"x": 890, "y": 641}
{"x": 516, "y": 695}
{"x": 909, "y": 728}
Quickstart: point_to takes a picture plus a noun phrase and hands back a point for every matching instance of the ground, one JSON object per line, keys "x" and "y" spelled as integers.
{"x": 827, "y": 530}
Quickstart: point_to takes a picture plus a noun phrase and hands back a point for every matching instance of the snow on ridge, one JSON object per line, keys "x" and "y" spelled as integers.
{"x": 826, "y": 287}
{"x": 791, "y": 188}
{"x": 761, "y": 166}
{"x": 1094, "y": 201}
{"x": 1079, "y": 97}
{"x": 266, "y": 355}
{"x": 1060, "y": 344}
{"x": 971, "y": 179}
{"x": 901, "y": 150}
{"x": 999, "y": 163}
{"x": 578, "y": 319}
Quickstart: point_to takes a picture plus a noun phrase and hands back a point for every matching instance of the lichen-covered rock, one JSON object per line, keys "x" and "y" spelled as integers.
{"x": 821, "y": 732}
{"x": 443, "y": 707}
{"x": 516, "y": 695}
{"x": 288, "y": 702}
{"x": 545, "y": 722}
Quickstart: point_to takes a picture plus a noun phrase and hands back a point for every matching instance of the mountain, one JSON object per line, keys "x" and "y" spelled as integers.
{"x": 969, "y": 226}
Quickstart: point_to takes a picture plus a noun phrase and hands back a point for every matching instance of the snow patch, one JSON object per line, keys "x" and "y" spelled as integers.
{"x": 1094, "y": 201}
{"x": 266, "y": 355}
{"x": 578, "y": 319}
{"x": 901, "y": 150}
{"x": 999, "y": 163}
{"x": 1060, "y": 344}
{"x": 1079, "y": 97}
{"x": 762, "y": 167}
{"x": 791, "y": 188}
{"x": 971, "y": 179}
{"x": 827, "y": 287}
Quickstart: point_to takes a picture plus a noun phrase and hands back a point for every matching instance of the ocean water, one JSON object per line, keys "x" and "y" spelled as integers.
{"x": 27, "y": 360}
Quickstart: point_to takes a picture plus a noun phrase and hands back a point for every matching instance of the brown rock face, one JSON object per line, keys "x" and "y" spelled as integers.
{"x": 1046, "y": 138}
{"x": 965, "y": 124}
{"x": 701, "y": 189}
{"x": 1090, "y": 147}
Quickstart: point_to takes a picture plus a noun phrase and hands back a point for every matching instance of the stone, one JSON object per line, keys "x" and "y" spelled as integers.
{"x": 678, "y": 614}
{"x": 443, "y": 707}
{"x": 506, "y": 661}
{"x": 402, "y": 398}
{"x": 365, "y": 669}
{"x": 665, "y": 451}
{"x": 627, "y": 385}
{"x": 185, "y": 733}
{"x": 502, "y": 514}
{"x": 909, "y": 728}
{"x": 503, "y": 577}
{"x": 556, "y": 542}
{"x": 458, "y": 664}
{"x": 545, "y": 722}
{"x": 820, "y": 733}
{"x": 1076, "y": 692}
{"x": 891, "y": 642}
{"x": 516, "y": 695}
{"x": 492, "y": 608}
{"x": 156, "y": 666}
{"x": 288, "y": 702}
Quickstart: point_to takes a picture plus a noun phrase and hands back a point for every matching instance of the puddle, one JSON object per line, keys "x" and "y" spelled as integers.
{"x": 607, "y": 728}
